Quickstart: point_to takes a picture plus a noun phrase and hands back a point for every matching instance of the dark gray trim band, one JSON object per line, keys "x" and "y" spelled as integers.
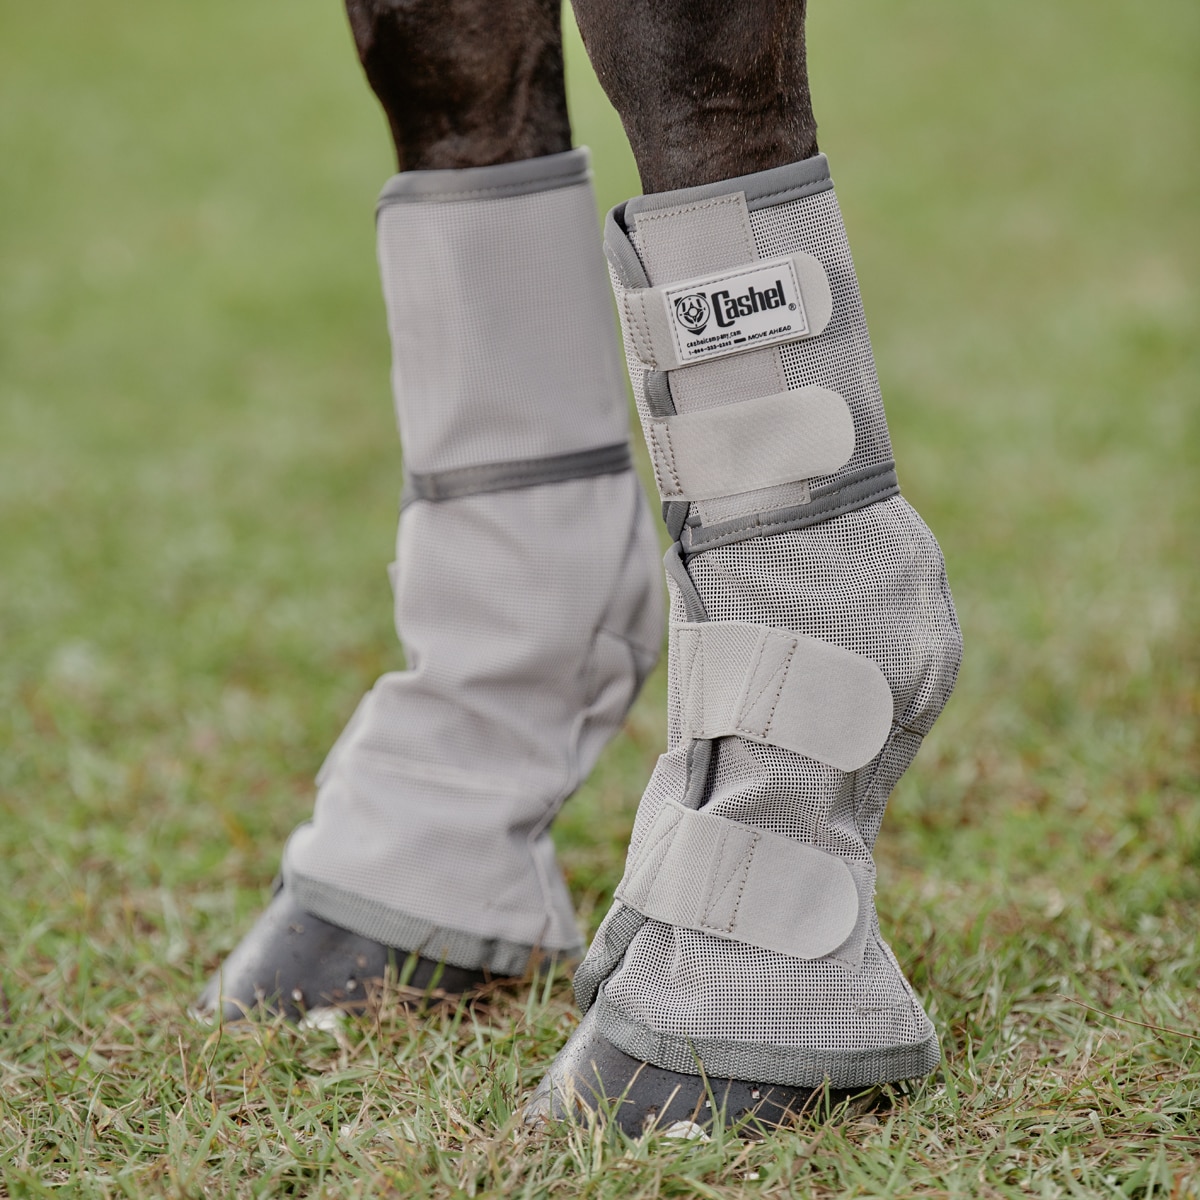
{"x": 519, "y": 473}
{"x": 657, "y": 390}
{"x": 793, "y": 1066}
{"x": 693, "y": 604}
{"x": 675, "y": 515}
{"x": 619, "y": 251}
{"x": 482, "y": 183}
{"x": 858, "y": 489}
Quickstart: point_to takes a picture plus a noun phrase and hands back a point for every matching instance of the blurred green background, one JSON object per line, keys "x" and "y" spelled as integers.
{"x": 199, "y": 477}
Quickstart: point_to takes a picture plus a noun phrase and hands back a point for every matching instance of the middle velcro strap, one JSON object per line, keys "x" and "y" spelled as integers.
{"x": 697, "y": 870}
{"x": 781, "y": 688}
{"x": 751, "y": 444}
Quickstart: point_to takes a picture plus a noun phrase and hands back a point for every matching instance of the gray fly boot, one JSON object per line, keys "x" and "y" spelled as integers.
{"x": 527, "y": 587}
{"x": 813, "y": 643}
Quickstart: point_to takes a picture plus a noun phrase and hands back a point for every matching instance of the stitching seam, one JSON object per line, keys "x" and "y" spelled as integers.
{"x": 671, "y": 461}
{"x": 559, "y": 181}
{"x": 741, "y": 717}
{"x": 737, "y": 904}
{"x": 799, "y": 192}
{"x": 787, "y": 666}
{"x": 706, "y": 900}
{"x": 639, "y": 327}
{"x": 695, "y": 206}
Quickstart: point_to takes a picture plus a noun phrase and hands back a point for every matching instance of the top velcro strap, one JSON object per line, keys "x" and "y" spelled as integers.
{"x": 697, "y": 870}
{"x": 782, "y": 688}
{"x": 761, "y": 304}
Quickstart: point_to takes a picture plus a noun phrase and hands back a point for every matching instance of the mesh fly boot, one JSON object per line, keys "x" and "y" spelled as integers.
{"x": 528, "y": 599}
{"x": 813, "y": 642}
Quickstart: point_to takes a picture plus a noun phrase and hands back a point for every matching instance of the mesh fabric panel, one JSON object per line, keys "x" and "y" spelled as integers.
{"x": 841, "y": 357}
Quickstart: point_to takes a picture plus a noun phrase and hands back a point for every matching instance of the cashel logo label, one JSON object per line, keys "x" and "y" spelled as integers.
{"x": 693, "y": 311}
{"x": 755, "y": 306}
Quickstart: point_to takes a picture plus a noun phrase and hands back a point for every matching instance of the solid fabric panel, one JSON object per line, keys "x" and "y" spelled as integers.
{"x": 499, "y": 316}
{"x": 527, "y": 580}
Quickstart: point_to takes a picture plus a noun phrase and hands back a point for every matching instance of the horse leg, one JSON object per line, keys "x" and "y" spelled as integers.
{"x": 706, "y": 90}
{"x": 813, "y": 639}
{"x": 527, "y": 586}
{"x": 465, "y": 83}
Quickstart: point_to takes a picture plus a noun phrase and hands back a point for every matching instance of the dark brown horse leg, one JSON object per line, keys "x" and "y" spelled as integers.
{"x": 465, "y": 83}
{"x": 706, "y": 89}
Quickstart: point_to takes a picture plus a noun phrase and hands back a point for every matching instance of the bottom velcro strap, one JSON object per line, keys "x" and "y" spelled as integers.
{"x": 696, "y": 870}
{"x": 782, "y": 688}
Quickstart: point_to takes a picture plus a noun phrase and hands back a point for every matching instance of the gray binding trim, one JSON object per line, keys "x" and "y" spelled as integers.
{"x": 618, "y": 249}
{"x": 481, "y": 183}
{"x": 762, "y": 189}
{"x": 520, "y": 473}
{"x": 675, "y": 515}
{"x": 699, "y": 753}
{"x": 858, "y": 489}
{"x": 409, "y": 934}
{"x": 693, "y": 606}
{"x": 660, "y": 402}
{"x": 699, "y": 767}
{"x": 792, "y": 1066}
{"x": 657, "y": 391}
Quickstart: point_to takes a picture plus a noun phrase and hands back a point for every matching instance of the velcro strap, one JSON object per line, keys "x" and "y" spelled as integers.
{"x": 751, "y": 444}
{"x": 696, "y": 870}
{"x": 760, "y": 304}
{"x": 782, "y": 688}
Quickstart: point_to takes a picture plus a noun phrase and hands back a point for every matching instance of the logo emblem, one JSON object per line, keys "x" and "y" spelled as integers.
{"x": 693, "y": 311}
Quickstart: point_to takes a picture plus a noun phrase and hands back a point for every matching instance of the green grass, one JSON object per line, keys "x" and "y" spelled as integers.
{"x": 198, "y": 480}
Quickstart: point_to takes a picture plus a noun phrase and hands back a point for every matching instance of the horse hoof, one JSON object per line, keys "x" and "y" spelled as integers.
{"x": 591, "y": 1078}
{"x": 297, "y": 966}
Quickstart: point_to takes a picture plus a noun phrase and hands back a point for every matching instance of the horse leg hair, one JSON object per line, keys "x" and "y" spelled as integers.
{"x": 706, "y": 89}
{"x": 465, "y": 83}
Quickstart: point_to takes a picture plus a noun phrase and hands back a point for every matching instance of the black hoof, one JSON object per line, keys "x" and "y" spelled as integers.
{"x": 591, "y": 1076}
{"x": 291, "y": 963}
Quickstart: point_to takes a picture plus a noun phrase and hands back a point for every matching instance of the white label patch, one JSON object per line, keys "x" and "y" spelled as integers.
{"x": 737, "y": 310}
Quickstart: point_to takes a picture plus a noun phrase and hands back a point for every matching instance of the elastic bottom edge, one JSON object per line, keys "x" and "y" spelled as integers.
{"x": 415, "y": 935}
{"x": 747, "y": 1061}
